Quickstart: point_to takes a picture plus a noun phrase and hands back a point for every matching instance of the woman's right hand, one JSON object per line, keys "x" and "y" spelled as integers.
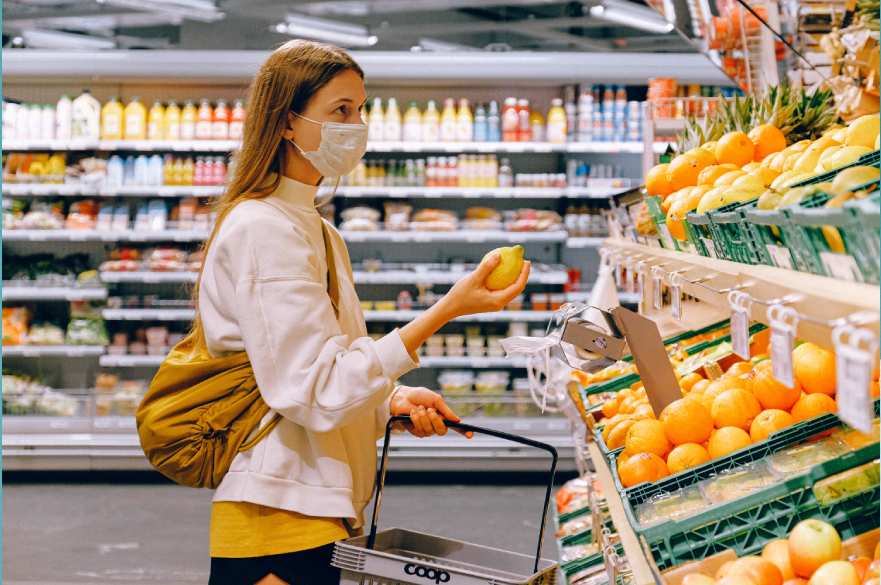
{"x": 470, "y": 295}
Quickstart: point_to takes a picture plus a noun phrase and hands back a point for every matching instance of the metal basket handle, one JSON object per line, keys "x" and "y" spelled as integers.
{"x": 380, "y": 484}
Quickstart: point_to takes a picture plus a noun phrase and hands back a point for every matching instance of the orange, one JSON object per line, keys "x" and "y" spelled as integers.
{"x": 683, "y": 171}
{"x": 642, "y": 467}
{"x": 814, "y": 368}
{"x": 738, "y": 368}
{"x": 767, "y": 139}
{"x": 769, "y": 421}
{"x": 727, "y": 440}
{"x": 770, "y": 392}
{"x": 686, "y": 455}
{"x": 761, "y": 571}
{"x": 811, "y": 405}
{"x": 723, "y": 570}
{"x": 619, "y": 433}
{"x": 689, "y": 380}
{"x": 610, "y": 408}
{"x": 647, "y": 436}
{"x": 777, "y": 551}
{"x": 656, "y": 182}
{"x": 699, "y": 387}
{"x": 709, "y": 175}
{"x": 735, "y": 148}
{"x": 686, "y": 421}
{"x": 861, "y": 564}
{"x": 643, "y": 411}
{"x": 676, "y": 218}
{"x": 735, "y": 408}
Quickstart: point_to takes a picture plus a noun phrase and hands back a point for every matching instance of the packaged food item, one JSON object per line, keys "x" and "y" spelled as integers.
{"x": 15, "y": 325}
{"x": 454, "y": 340}
{"x": 671, "y": 506}
{"x": 491, "y": 382}
{"x": 82, "y": 215}
{"x": 799, "y": 458}
{"x": 855, "y": 439}
{"x": 220, "y": 121}
{"x": 384, "y": 305}
{"x": 171, "y": 123}
{"x": 847, "y": 483}
{"x": 366, "y": 305}
{"x": 455, "y": 382}
{"x": 204, "y": 120}
{"x": 85, "y": 117}
{"x": 46, "y": 334}
{"x": 156, "y": 121}
{"x": 405, "y": 300}
{"x": 397, "y": 216}
{"x": 578, "y": 551}
{"x": 434, "y": 220}
{"x": 737, "y": 483}
{"x": 188, "y": 121}
{"x": 237, "y": 120}
{"x": 63, "y": 120}
{"x": 360, "y": 218}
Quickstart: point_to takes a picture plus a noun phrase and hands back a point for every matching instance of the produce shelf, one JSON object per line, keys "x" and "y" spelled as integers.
{"x": 148, "y": 314}
{"x": 16, "y": 291}
{"x": 148, "y": 277}
{"x": 579, "y": 242}
{"x": 469, "y": 236}
{"x": 75, "y": 190}
{"x": 37, "y": 351}
{"x": 130, "y": 361}
{"x": 65, "y": 235}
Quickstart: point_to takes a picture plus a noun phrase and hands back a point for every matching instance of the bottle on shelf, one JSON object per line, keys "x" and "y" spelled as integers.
{"x": 493, "y": 123}
{"x": 115, "y": 172}
{"x": 171, "y": 122}
{"x": 188, "y": 121}
{"x": 135, "y": 127}
{"x": 585, "y": 116}
{"x": 448, "y": 121}
{"x": 156, "y": 121}
{"x": 621, "y": 100}
{"x": 392, "y": 122}
{"x": 481, "y": 131}
{"x": 412, "y": 130}
{"x": 204, "y": 120}
{"x": 524, "y": 130}
{"x": 452, "y": 172}
{"x": 464, "y": 122}
{"x": 47, "y": 122}
{"x": 506, "y": 175}
{"x": 63, "y": 118}
{"x": 376, "y": 122}
{"x": 571, "y": 111}
{"x": 557, "y": 125}
{"x": 187, "y": 172}
{"x": 220, "y": 121}
{"x": 431, "y": 123}
{"x": 155, "y": 170}
{"x": 237, "y": 120}
{"x": 85, "y": 117}
{"x": 112, "y": 120}
{"x": 199, "y": 172}
{"x": 510, "y": 121}
{"x": 35, "y": 121}
{"x": 537, "y": 126}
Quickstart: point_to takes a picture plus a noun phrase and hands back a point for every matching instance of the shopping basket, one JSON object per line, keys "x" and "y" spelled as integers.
{"x": 404, "y": 557}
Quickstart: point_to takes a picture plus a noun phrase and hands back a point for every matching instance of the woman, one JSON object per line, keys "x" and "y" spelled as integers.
{"x": 277, "y": 283}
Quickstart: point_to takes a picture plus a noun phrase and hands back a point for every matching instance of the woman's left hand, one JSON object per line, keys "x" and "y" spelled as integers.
{"x": 427, "y": 411}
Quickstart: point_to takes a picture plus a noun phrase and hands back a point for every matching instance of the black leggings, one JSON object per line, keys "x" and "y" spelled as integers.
{"x": 307, "y": 567}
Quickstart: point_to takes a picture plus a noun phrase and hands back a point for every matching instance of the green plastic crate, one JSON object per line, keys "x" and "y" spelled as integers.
{"x": 767, "y": 239}
{"x": 866, "y": 238}
{"x": 731, "y": 235}
{"x": 747, "y": 524}
{"x": 697, "y": 227}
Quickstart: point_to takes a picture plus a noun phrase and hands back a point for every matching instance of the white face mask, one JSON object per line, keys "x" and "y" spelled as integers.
{"x": 341, "y": 148}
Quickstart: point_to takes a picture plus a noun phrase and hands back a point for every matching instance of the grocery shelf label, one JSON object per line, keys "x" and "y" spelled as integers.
{"x": 676, "y": 301}
{"x": 783, "y": 322}
{"x": 841, "y": 266}
{"x": 780, "y": 256}
{"x": 739, "y": 302}
{"x": 856, "y": 353}
{"x": 656, "y": 293}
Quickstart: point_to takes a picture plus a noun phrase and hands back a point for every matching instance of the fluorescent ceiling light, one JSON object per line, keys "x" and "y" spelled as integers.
{"x": 53, "y": 39}
{"x": 331, "y": 31}
{"x": 429, "y": 44}
{"x": 632, "y": 15}
{"x": 200, "y": 10}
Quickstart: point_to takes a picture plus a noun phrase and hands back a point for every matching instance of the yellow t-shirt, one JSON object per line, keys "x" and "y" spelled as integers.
{"x": 243, "y": 530}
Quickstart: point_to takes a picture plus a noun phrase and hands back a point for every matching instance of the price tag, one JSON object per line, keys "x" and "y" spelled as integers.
{"x": 855, "y": 351}
{"x": 841, "y": 266}
{"x": 666, "y": 238}
{"x": 656, "y": 291}
{"x": 640, "y": 285}
{"x": 739, "y": 303}
{"x": 783, "y": 322}
{"x": 711, "y": 249}
{"x": 676, "y": 299}
{"x": 780, "y": 256}
{"x": 619, "y": 272}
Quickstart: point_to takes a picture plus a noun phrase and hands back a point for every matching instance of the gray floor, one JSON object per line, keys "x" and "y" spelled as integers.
{"x": 109, "y": 535}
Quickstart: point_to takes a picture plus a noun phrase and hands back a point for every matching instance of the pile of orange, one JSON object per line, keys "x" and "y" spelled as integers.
{"x": 812, "y": 555}
{"x": 716, "y": 417}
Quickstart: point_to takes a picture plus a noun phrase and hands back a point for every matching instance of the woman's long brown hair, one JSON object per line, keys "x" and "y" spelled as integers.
{"x": 286, "y": 82}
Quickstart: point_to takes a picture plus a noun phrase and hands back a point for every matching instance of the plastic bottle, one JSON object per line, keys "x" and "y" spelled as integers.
{"x": 571, "y": 111}
{"x": 585, "y": 117}
{"x": 493, "y": 123}
{"x": 557, "y": 129}
{"x": 376, "y": 122}
{"x": 141, "y": 172}
{"x": 199, "y": 175}
{"x": 85, "y": 117}
{"x": 171, "y": 122}
{"x": 430, "y": 123}
{"x": 187, "y": 172}
{"x": 156, "y": 121}
{"x": 10, "y": 117}
{"x": 155, "y": 172}
{"x": 392, "y": 122}
{"x": 112, "y": 120}
{"x": 510, "y": 121}
{"x": 412, "y": 131}
{"x": 621, "y": 100}
{"x": 47, "y": 123}
{"x": 62, "y": 118}
{"x": 220, "y": 121}
{"x": 135, "y": 126}
{"x": 524, "y": 131}
{"x": 128, "y": 177}
{"x": 115, "y": 172}
{"x": 237, "y": 120}
{"x": 188, "y": 121}
{"x": 448, "y": 121}
{"x": 168, "y": 170}
{"x": 481, "y": 127}
{"x": 204, "y": 120}
{"x": 506, "y": 175}
{"x": 464, "y": 122}
{"x": 537, "y": 126}
{"x": 35, "y": 121}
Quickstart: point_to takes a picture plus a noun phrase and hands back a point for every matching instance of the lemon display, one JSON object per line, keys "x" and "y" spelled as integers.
{"x": 850, "y": 179}
{"x": 508, "y": 269}
{"x": 863, "y": 131}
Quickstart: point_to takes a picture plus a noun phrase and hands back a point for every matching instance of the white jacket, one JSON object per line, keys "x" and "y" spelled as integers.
{"x": 264, "y": 290}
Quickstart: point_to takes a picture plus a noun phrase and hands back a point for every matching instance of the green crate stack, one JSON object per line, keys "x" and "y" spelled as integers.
{"x": 866, "y": 240}
{"x": 731, "y": 235}
{"x": 867, "y": 160}
{"x": 660, "y": 220}
{"x": 697, "y": 227}
{"x": 800, "y": 242}
{"x": 767, "y": 239}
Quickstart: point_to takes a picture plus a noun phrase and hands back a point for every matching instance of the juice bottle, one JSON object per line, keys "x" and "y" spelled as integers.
{"x": 524, "y": 131}
{"x": 135, "y": 127}
{"x": 171, "y": 122}
{"x": 168, "y": 170}
{"x": 112, "y": 120}
{"x": 156, "y": 121}
{"x": 448, "y": 121}
{"x": 47, "y": 125}
{"x": 85, "y": 117}
{"x": 188, "y": 121}
{"x": 493, "y": 123}
{"x": 204, "y": 120}
{"x": 392, "y": 121}
{"x": 585, "y": 117}
{"x": 376, "y": 122}
{"x": 464, "y": 122}
{"x": 481, "y": 130}
{"x": 431, "y": 123}
{"x": 537, "y": 126}
{"x": 510, "y": 121}
{"x": 199, "y": 172}
{"x": 571, "y": 111}
{"x": 187, "y": 172}
{"x": 621, "y": 100}
{"x": 412, "y": 131}
{"x": 220, "y": 122}
{"x": 237, "y": 120}
{"x": 62, "y": 118}
{"x": 556, "y": 132}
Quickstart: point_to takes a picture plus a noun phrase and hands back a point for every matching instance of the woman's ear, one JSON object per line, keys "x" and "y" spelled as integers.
{"x": 288, "y": 133}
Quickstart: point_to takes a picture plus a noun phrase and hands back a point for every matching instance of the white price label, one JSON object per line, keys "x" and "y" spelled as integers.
{"x": 780, "y": 256}
{"x": 676, "y": 299}
{"x": 619, "y": 273}
{"x": 656, "y": 293}
{"x": 781, "y": 356}
{"x": 740, "y": 333}
{"x": 853, "y": 372}
{"x": 711, "y": 249}
{"x": 841, "y": 266}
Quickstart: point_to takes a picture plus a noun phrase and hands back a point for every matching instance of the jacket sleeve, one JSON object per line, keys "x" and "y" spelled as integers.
{"x": 306, "y": 368}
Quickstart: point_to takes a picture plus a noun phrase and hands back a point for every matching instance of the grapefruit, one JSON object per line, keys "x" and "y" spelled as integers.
{"x": 656, "y": 182}
{"x": 768, "y": 140}
{"x": 835, "y": 573}
{"x": 735, "y": 148}
{"x": 761, "y": 571}
{"x": 777, "y": 551}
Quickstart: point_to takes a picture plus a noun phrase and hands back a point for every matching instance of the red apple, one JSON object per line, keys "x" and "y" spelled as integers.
{"x": 812, "y": 543}
{"x": 835, "y": 573}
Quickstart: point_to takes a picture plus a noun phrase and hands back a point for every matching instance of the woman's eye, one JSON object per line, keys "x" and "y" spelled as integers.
{"x": 344, "y": 110}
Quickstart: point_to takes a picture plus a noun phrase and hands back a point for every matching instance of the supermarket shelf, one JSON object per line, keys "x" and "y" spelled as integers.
{"x": 130, "y": 361}
{"x": 37, "y": 351}
{"x": 584, "y": 242}
{"x": 15, "y": 291}
{"x": 57, "y": 190}
{"x": 480, "y": 192}
{"x": 64, "y": 235}
{"x": 501, "y": 316}
{"x": 667, "y": 126}
{"x": 148, "y": 277}
{"x": 148, "y": 314}
{"x": 437, "y": 277}
{"x": 123, "y": 145}
{"x": 471, "y": 236}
